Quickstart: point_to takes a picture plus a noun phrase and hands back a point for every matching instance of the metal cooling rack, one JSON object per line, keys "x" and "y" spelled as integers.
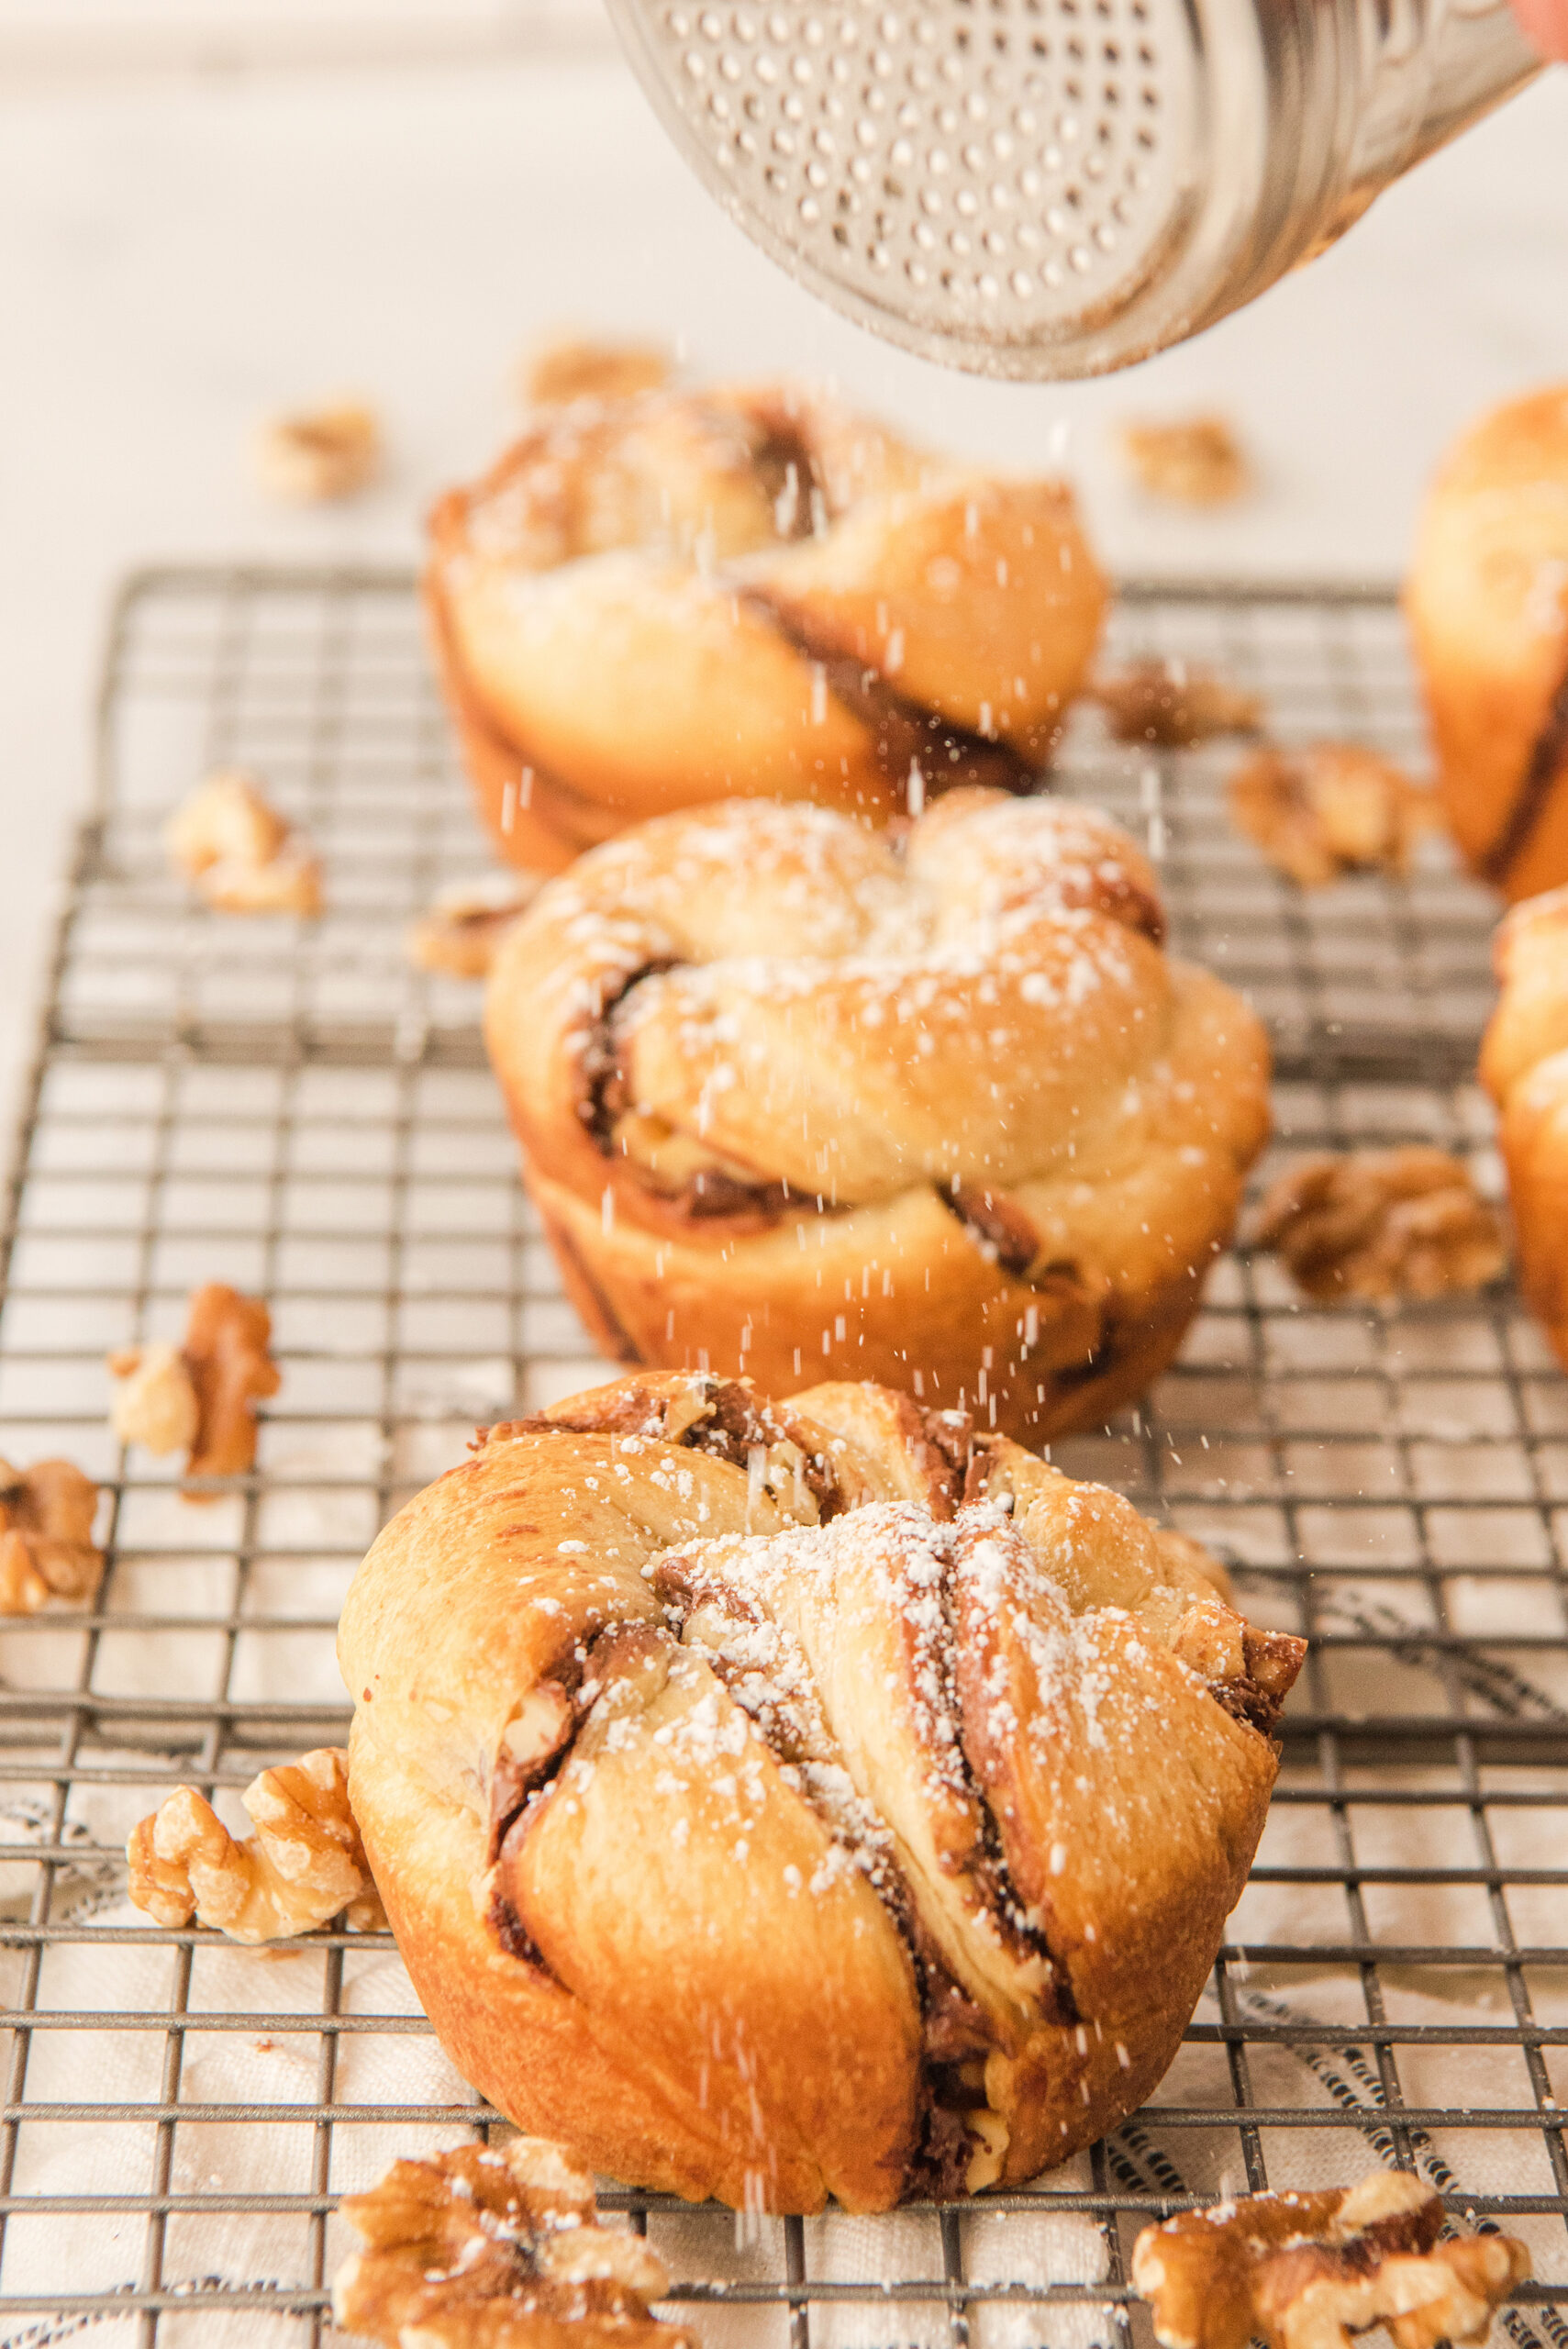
{"x": 290, "y": 1107}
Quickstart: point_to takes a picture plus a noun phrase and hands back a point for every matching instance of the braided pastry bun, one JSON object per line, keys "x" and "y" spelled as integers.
{"x": 1524, "y": 1066}
{"x": 779, "y": 1802}
{"x": 794, "y": 1097}
{"x": 660, "y": 600}
{"x": 1487, "y": 603}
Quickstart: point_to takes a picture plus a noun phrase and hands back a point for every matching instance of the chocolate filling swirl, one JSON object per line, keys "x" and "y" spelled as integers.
{"x": 1548, "y": 753}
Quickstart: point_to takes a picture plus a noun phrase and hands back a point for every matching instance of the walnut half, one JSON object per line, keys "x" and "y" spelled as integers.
{"x": 466, "y": 923}
{"x": 47, "y": 1549}
{"x": 1172, "y": 705}
{"x": 500, "y": 2248}
{"x": 1196, "y": 459}
{"x": 313, "y": 455}
{"x": 1330, "y": 808}
{"x": 571, "y": 369}
{"x": 303, "y": 1864}
{"x": 200, "y": 1397}
{"x": 243, "y": 857}
{"x": 1305, "y": 2271}
{"x": 1382, "y": 1223}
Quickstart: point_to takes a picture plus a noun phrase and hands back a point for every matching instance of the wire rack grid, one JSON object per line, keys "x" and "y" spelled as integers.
{"x": 294, "y": 1108}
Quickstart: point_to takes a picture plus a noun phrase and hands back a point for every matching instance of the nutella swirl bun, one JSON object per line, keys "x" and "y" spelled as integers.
{"x": 665, "y": 599}
{"x": 794, "y": 1097}
{"x": 1524, "y": 1066}
{"x": 1487, "y": 603}
{"x": 779, "y": 1802}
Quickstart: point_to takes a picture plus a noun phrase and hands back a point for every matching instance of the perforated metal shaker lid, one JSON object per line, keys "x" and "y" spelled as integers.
{"x": 1050, "y": 188}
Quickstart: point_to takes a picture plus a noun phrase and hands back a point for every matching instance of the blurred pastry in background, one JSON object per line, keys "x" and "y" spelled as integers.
{"x": 1328, "y": 809}
{"x": 1193, "y": 461}
{"x": 1524, "y": 1066}
{"x": 1487, "y": 604}
{"x": 797, "y": 1099}
{"x": 243, "y": 857}
{"x": 315, "y": 456}
{"x": 1172, "y": 705}
{"x": 459, "y": 933}
{"x": 678, "y": 596}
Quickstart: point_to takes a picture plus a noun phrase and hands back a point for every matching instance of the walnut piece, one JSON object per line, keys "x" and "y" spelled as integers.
{"x": 1331, "y": 808}
{"x": 313, "y": 455}
{"x": 303, "y": 1864}
{"x": 465, "y": 924}
{"x": 46, "y": 1535}
{"x": 570, "y": 369}
{"x": 1382, "y": 1223}
{"x": 1172, "y": 705}
{"x": 500, "y": 2248}
{"x": 155, "y": 1402}
{"x": 1196, "y": 459}
{"x": 289, "y": 883}
{"x": 200, "y": 1397}
{"x": 243, "y": 857}
{"x": 1305, "y": 2271}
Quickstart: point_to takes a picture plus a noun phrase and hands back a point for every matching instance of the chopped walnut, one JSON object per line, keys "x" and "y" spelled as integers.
{"x": 1305, "y": 2271}
{"x": 314, "y": 455}
{"x": 499, "y": 2247}
{"x": 155, "y": 1403}
{"x": 1196, "y": 459}
{"x": 303, "y": 1864}
{"x": 241, "y": 854}
{"x": 1331, "y": 808}
{"x": 1172, "y": 705}
{"x": 200, "y": 1397}
{"x": 1382, "y": 1223}
{"x": 287, "y": 884}
{"x": 568, "y": 371}
{"x": 228, "y": 819}
{"x": 46, "y": 1535}
{"x": 466, "y": 923}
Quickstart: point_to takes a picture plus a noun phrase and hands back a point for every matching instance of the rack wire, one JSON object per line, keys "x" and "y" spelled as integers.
{"x": 294, "y": 1108}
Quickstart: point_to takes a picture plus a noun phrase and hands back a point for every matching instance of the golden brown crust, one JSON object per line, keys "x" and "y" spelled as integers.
{"x": 1305, "y": 2271}
{"x": 1524, "y": 1066}
{"x": 946, "y": 1117}
{"x": 712, "y": 1839}
{"x": 1487, "y": 603}
{"x": 496, "y": 2247}
{"x": 668, "y": 598}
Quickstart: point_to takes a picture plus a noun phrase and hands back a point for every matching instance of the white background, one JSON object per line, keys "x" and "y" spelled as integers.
{"x": 206, "y": 210}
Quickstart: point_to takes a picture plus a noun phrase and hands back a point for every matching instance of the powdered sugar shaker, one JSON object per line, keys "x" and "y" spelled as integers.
{"x": 1050, "y": 188}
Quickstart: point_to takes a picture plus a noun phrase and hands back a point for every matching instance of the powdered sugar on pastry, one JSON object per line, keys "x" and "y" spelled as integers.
{"x": 940, "y": 1108}
{"x": 837, "y": 1828}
